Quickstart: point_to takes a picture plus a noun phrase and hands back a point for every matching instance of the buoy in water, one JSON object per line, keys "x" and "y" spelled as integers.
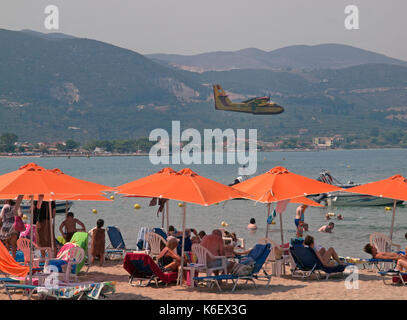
{"x": 223, "y": 224}
{"x": 137, "y": 206}
{"x": 180, "y": 204}
{"x": 112, "y": 197}
{"x": 387, "y": 208}
{"x": 94, "y": 211}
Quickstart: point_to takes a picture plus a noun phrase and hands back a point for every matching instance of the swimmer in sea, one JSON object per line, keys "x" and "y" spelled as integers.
{"x": 252, "y": 224}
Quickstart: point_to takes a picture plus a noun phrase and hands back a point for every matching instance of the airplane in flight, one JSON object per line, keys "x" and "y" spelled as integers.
{"x": 258, "y": 105}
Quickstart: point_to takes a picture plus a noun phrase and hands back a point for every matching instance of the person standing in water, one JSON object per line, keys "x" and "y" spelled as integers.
{"x": 299, "y": 220}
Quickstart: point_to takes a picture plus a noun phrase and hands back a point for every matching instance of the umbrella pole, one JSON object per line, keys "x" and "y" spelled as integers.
{"x": 168, "y": 212}
{"x": 180, "y": 276}
{"x": 31, "y": 238}
{"x": 268, "y": 215}
{"x": 392, "y": 219}
{"x": 162, "y": 218}
{"x": 51, "y": 220}
{"x": 281, "y": 228}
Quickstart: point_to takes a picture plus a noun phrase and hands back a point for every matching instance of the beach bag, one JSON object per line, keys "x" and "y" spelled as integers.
{"x": 18, "y": 224}
{"x": 241, "y": 270}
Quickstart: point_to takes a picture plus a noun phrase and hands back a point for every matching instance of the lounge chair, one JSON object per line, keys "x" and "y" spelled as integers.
{"x": 383, "y": 244}
{"x": 277, "y": 265}
{"x": 307, "y": 263}
{"x": 81, "y": 240}
{"x": 117, "y": 245}
{"x": 71, "y": 255}
{"x": 378, "y": 263}
{"x": 142, "y": 267}
{"x": 259, "y": 253}
{"x": 27, "y": 289}
{"x": 202, "y": 255}
{"x": 397, "y": 276}
{"x": 70, "y": 291}
{"x": 23, "y": 244}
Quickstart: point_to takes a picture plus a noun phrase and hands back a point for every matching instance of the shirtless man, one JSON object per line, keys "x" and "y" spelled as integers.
{"x": 328, "y": 228}
{"x": 214, "y": 243}
{"x": 70, "y": 226}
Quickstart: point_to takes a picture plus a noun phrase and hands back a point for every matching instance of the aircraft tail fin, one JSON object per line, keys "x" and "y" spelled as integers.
{"x": 220, "y": 97}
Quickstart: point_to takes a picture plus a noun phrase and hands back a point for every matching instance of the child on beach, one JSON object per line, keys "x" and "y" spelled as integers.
{"x": 70, "y": 226}
{"x": 97, "y": 248}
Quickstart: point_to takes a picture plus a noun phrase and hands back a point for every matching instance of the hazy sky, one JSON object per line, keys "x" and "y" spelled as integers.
{"x": 196, "y": 26}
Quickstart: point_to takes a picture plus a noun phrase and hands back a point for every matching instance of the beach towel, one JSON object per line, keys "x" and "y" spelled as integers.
{"x": 141, "y": 238}
{"x": 26, "y": 233}
{"x": 131, "y": 260}
{"x": 160, "y": 232}
{"x": 9, "y": 266}
{"x": 81, "y": 240}
{"x": 62, "y": 257}
{"x": 91, "y": 290}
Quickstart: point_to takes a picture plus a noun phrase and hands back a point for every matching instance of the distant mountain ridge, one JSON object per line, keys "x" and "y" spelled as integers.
{"x": 55, "y": 87}
{"x": 323, "y": 56}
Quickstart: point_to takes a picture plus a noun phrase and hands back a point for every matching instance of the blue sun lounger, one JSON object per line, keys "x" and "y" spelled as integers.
{"x": 397, "y": 276}
{"x": 307, "y": 263}
{"x": 259, "y": 254}
{"x": 117, "y": 245}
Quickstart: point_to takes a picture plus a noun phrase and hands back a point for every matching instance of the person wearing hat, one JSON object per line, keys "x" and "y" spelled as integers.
{"x": 168, "y": 260}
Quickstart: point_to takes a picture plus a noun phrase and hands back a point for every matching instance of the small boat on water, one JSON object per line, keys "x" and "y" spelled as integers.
{"x": 340, "y": 198}
{"x": 59, "y": 205}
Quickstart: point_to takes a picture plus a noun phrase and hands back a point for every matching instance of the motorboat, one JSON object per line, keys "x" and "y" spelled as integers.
{"x": 341, "y": 198}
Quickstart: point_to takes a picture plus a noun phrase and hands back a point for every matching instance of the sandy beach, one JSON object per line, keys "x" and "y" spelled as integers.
{"x": 371, "y": 287}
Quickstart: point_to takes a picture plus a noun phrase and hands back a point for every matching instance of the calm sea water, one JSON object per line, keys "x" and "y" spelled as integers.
{"x": 348, "y": 238}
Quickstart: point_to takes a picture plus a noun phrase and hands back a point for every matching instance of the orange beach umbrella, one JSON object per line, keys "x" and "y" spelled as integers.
{"x": 32, "y": 179}
{"x": 394, "y": 187}
{"x": 136, "y": 187}
{"x": 279, "y": 184}
{"x": 186, "y": 186}
{"x": 36, "y": 182}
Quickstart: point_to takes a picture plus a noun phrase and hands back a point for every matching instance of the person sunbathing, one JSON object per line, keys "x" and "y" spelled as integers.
{"x": 376, "y": 254}
{"x": 323, "y": 255}
{"x": 168, "y": 260}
